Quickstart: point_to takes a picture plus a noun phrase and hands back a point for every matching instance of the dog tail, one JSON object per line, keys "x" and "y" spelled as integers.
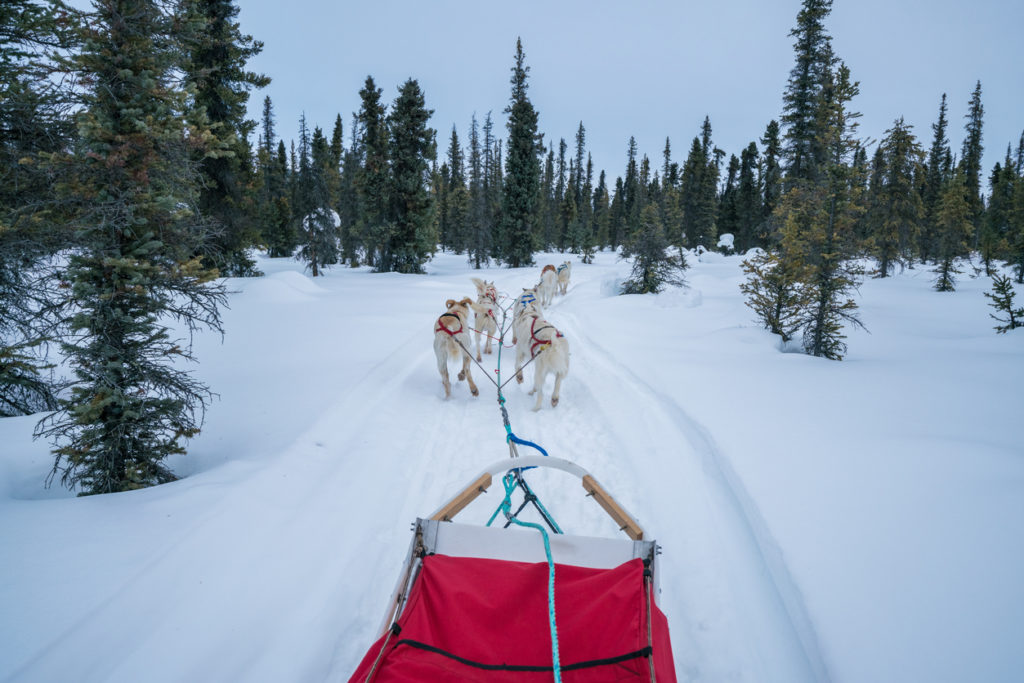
{"x": 559, "y": 355}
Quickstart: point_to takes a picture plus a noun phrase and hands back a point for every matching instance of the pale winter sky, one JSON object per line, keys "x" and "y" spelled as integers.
{"x": 644, "y": 68}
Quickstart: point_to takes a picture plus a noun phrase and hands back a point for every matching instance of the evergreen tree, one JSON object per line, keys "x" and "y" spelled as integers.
{"x": 583, "y": 237}
{"x": 132, "y": 193}
{"x": 631, "y": 195}
{"x": 970, "y": 158}
{"x": 1002, "y": 296}
{"x": 994, "y": 241}
{"x": 937, "y": 174}
{"x": 1016, "y": 219}
{"x": 411, "y": 214}
{"x": 348, "y": 198}
{"x": 478, "y": 231}
{"x": 547, "y": 225}
{"x": 275, "y": 211}
{"x": 653, "y": 267}
{"x": 953, "y": 231}
{"x": 728, "y": 210}
{"x": 34, "y": 125}
{"x": 771, "y": 183}
{"x": 373, "y": 177}
{"x": 319, "y": 221}
{"x": 216, "y": 55}
{"x": 522, "y": 180}
{"x": 617, "y": 216}
{"x": 493, "y": 186}
{"x": 774, "y": 291}
{"x": 698, "y": 192}
{"x": 602, "y": 214}
{"x": 457, "y": 205}
{"x": 802, "y": 101}
{"x": 899, "y": 209}
{"x": 748, "y": 202}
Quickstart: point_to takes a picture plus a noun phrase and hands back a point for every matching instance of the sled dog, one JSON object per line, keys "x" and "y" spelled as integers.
{"x": 548, "y": 285}
{"x": 564, "y": 271}
{"x": 485, "y": 320}
{"x": 449, "y": 332}
{"x": 538, "y": 339}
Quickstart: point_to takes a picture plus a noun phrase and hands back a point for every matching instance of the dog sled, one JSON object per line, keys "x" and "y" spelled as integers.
{"x": 519, "y": 604}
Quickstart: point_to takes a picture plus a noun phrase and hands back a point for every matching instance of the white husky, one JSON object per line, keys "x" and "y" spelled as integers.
{"x": 539, "y": 340}
{"x": 485, "y": 320}
{"x": 548, "y": 285}
{"x": 563, "y": 271}
{"x": 451, "y": 339}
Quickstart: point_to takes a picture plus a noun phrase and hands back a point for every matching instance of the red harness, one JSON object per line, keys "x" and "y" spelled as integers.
{"x": 539, "y": 342}
{"x": 442, "y": 328}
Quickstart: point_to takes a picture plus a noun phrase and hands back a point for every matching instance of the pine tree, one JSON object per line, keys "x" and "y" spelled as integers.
{"x": 457, "y": 205}
{"x": 937, "y": 174}
{"x": 348, "y": 198}
{"x": 215, "y": 70}
{"x": 802, "y": 101}
{"x": 1002, "y": 296}
{"x": 748, "y": 202}
{"x": 373, "y": 177}
{"x": 602, "y": 213}
{"x": 698, "y": 191}
{"x": 494, "y": 185}
{"x": 478, "y": 231}
{"x": 994, "y": 241}
{"x": 34, "y": 125}
{"x": 319, "y": 225}
{"x": 728, "y": 210}
{"x": 899, "y": 210}
{"x": 653, "y": 267}
{"x": 953, "y": 231}
{"x": 771, "y": 183}
{"x": 412, "y": 146}
{"x": 1016, "y": 218}
{"x": 132, "y": 195}
{"x": 774, "y": 291}
{"x": 522, "y": 180}
{"x": 970, "y": 158}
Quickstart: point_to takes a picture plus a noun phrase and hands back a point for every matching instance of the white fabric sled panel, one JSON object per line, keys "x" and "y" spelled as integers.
{"x": 526, "y": 545}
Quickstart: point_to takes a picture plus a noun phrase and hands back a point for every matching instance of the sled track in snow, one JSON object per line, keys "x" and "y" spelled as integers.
{"x": 740, "y": 509}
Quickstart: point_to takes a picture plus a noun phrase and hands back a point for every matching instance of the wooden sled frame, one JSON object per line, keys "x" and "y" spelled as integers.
{"x": 467, "y": 495}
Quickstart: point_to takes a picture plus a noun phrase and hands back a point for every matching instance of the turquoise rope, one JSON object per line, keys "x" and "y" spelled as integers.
{"x": 506, "y": 507}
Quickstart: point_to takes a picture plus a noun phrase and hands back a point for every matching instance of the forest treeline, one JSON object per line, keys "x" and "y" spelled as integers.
{"x": 133, "y": 181}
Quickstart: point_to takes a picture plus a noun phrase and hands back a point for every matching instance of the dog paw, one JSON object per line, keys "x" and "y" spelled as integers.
{"x": 478, "y": 358}
{"x": 474, "y": 391}
{"x": 554, "y": 402}
{"x": 462, "y": 376}
{"x": 519, "y": 379}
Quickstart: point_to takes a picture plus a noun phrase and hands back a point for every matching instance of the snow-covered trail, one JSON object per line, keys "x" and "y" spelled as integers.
{"x": 285, "y": 574}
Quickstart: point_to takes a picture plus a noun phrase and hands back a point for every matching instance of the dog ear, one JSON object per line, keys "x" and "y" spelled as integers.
{"x": 449, "y": 303}
{"x": 466, "y": 301}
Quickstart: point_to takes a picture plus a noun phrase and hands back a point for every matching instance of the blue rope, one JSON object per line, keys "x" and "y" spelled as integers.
{"x": 506, "y": 507}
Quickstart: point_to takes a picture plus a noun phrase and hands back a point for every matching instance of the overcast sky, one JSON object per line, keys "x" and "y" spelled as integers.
{"x": 648, "y": 69}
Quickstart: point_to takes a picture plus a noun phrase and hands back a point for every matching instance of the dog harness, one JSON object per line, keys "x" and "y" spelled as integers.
{"x": 539, "y": 342}
{"x": 442, "y": 328}
{"x": 561, "y": 268}
{"x": 526, "y": 298}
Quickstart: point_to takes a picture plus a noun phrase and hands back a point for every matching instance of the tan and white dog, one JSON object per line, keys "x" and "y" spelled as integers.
{"x": 526, "y": 303}
{"x": 539, "y": 340}
{"x": 563, "y": 271}
{"x": 449, "y": 332}
{"x": 548, "y": 285}
{"x": 485, "y": 320}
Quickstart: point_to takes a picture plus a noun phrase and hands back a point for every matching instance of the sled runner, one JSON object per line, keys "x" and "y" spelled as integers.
{"x": 485, "y": 603}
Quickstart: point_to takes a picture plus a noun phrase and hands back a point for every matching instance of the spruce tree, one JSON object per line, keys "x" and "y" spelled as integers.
{"x": 522, "y": 179}
{"x": 970, "y": 157}
{"x": 319, "y": 225}
{"x": 133, "y": 193}
{"x": 937, "y": 174}
{"x": 748, "y": 202}
{"x": 477, "y": 229}
{"x": 953, "y": 230}
{"x": 457, "y": 204}
{"x": 728, "y": 209}
{"x": 775, "y": 291}
{"x": 1002, "y": 296}
{"x": 34, "y": 126}
{"x": 373, "y": 177}
{"x": 771, "y": 183}
{"x": 348, "y": 198}
{"x": 994, "y": 241}
{"x": 602, "y": 213}
{"x": 899, "y": 209}
{"x": 653, "y": 267}
{"x": 802, "y": 101}
{"x": 412, "y": 147}
{"x": 216, "y": 55}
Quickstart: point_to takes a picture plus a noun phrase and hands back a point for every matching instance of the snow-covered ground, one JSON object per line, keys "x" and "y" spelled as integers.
{"x": 852, "y": 521}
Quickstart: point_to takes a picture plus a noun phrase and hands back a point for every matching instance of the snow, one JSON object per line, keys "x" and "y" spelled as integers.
{"x": 851, "y": 521}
